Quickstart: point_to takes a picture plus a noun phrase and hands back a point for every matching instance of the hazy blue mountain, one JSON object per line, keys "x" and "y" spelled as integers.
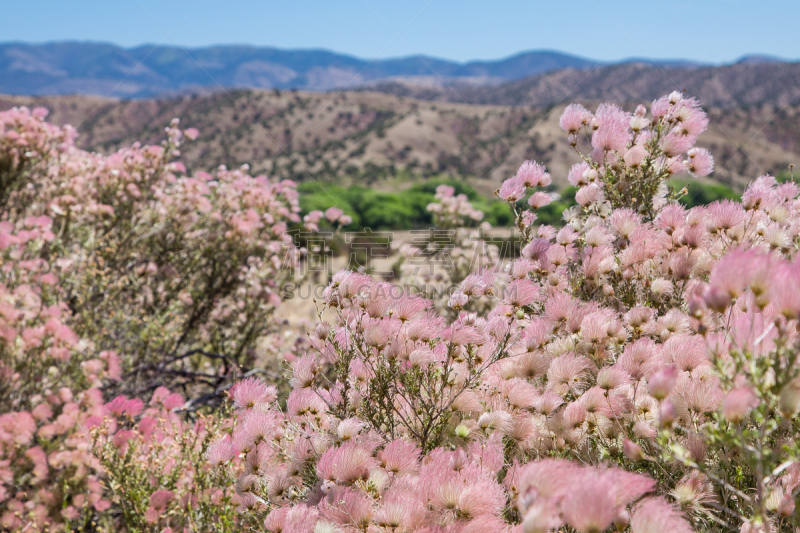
{"x": 146, "y": 71}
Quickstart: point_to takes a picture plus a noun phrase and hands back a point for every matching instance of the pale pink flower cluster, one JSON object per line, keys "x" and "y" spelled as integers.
{"x": 333, "y": 215}
{"x": 192, "y": 259}
{"x": 452, "y": 210}
{"x": 101, "y": 256}
{"x": 629, "y": 158}
{"x": 639, "y": 338}
{"x": 43, "y": 437}
{"x": 156, "y": 443}
{"x": 635, "y": 369}
{"x": 433, "y": 264}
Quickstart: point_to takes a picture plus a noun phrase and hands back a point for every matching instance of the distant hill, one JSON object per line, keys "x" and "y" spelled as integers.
{"x": 387, "y": 141}
{"x": 148, "y": 71}
{"x": 752, "y": 81}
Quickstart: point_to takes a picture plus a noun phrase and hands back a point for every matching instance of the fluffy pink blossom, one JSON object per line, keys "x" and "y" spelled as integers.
{"x": 613, "y": 132}
{"x": 533, "y": 174}
{"x": 574, "y": 117}
{"x": 655, "y": 515}
{"x": 701, "y": 163}
{"x": 662, "y": 382}
{"x": 738, "y": 403}
{"x": 252, "y": 392}
{"x": 539, "y": 200}
{"x": 512, "y": 190}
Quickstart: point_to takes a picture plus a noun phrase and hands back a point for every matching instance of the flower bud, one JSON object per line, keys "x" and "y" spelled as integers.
{"x": 621, "y": 519}
{"x": 790, "y": 400}
{"x": 322, "y": 329}
{"x": 590, "y": 174}
{"x": 638, "y": 123}
{"x": 773, "y": 500}
{"x": 632, "y": 450}
{"x": 697, "y": 307}
{"x": 738, "y": 403}
{"x": 661, "y": 383}
{"x": 666, "y": 413}
{"x": 696, "y": 446}
{"x": 786, "y": 508}
{"x": 717, "y": 299}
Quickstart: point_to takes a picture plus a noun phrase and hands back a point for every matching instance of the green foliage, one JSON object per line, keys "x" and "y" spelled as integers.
{"x": 406, "y": 209}
{"x": 703, "y": 193}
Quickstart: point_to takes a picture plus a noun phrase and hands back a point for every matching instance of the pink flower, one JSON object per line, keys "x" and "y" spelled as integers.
{"x": 346, "y": 464}
{"x": 458, "y": 300}
{"x": 635, "y": 156}
{"x": 444, "y": 191}
{"x": 220, "y": 452}
{"x": 736, "y": 271}
{"x": 380, "y": 333}
{"x": 613, "y": 132}
{"x": 589, "y": 194}
{"x": 346, "y": 506}
{"x": 400, "y": 457}
{"x": 574, "y": 117}
{"x": 333, "y": 214}
{"x": 512, "y": 190}
{"x": 783, "y": 293}
{"x": 539, "y": 200}
{"x": 701, "y": 163}
{"x": 662, "y": 382}
{"x": 124, "y": 406}
{"x": 657, "y": 515}
{"x": 590, "y": 506}
{"x": 568, "y": 372}
{"x": 151, "y": 515}
{"x": 521, "y": 293}
{"x": 738, "y": 403}
{"x": 252, "y": 392}
{"x": 725, "y": 214}
{"x": 532, "y": 174}
{"x": 161, "y": 498}
{"x": 612, "y": 377}
{"x": 632, "y": 450}
{"x": 482, "y": 498}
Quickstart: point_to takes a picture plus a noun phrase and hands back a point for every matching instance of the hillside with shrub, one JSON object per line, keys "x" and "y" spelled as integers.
{"x": 632, "y": 366}
{"x": 387, "y": 142}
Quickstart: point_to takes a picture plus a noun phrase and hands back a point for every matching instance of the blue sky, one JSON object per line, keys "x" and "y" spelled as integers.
{"x": 707, "y": 30}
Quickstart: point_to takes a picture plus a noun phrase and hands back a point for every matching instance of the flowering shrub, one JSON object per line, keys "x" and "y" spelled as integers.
{"x": 454, "y": 250}
{"x": 48, "y": 474}
{"x": 155, "y": 467}
{"x": 155, "y": 265}
{"x": 652, "y": 344}
{"x": 120, "y": 273}
{"x": 635, "y": 369}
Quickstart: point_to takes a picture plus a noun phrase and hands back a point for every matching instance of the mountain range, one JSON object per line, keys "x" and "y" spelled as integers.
{"x": 389, "y": 122}
{"x": 146, "y": 71}
{"x": 745, "y": 83}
